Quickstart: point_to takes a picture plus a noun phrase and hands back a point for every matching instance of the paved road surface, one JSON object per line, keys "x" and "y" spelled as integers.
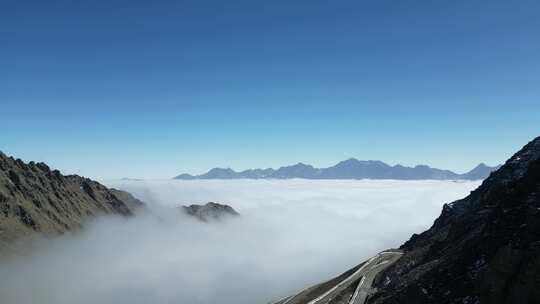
{"x": 364, "y": 287}
{"x": 365, "y": 275}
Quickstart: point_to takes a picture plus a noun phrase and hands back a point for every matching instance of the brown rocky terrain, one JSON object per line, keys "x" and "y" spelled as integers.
{"x": 37, "y": 200}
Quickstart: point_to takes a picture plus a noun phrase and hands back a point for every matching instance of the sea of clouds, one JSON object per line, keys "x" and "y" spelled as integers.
{"x": 291, "y": 233}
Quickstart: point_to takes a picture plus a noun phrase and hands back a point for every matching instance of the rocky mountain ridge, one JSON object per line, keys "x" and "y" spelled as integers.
{"x": 37, "y": 200}
{"x": 348, "y": 169}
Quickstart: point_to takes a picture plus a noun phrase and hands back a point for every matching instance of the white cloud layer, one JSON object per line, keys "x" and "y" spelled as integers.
{"x": 292, "y": 233}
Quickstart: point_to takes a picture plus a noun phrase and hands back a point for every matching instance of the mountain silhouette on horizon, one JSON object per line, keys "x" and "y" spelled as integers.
{"x": 351, "y": 168}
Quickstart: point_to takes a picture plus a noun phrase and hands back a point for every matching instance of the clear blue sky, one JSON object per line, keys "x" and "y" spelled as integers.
{"x": 151, "y": 89}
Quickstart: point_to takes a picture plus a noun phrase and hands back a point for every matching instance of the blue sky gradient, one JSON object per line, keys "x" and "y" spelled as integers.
{"x": 151, "y": 89}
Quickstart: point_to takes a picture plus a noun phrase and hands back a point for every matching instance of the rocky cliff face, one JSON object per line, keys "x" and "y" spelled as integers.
{"x": 36, "y": 199}
{"x": 210, "y": 211}
{"x": 484, "y": 248}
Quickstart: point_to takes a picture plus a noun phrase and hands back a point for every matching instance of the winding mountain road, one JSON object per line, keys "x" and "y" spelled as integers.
{"x": 364, "y": 287}
{"x": 339, "y": 292}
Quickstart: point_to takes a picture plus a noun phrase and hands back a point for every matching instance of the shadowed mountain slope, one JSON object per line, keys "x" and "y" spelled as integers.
{"x": 484, "y": 248}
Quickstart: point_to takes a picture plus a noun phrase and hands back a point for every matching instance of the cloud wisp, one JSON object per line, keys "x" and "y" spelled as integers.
{"x": 291, "y": 233}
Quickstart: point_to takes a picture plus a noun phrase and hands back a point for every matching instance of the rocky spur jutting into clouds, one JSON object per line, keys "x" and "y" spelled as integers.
{"x": 291, "y": 233}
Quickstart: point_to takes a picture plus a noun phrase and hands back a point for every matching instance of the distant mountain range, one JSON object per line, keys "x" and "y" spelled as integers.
{"x": 348, "y": 169}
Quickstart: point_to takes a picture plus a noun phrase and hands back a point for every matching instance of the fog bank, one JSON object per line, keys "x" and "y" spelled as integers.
{"x": 291, "y": 233}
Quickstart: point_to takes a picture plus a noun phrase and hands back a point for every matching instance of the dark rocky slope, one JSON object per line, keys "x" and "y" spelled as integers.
{"x": 210, "y": 211}
{"x": 484, "y": 248}
{"x": 35, "y": 199}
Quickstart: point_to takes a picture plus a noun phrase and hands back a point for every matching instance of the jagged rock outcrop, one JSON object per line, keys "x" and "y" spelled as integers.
{"x": 210, "y": 211}
{"x": 35, "y": 199}
{"x": 484, "y": 248}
